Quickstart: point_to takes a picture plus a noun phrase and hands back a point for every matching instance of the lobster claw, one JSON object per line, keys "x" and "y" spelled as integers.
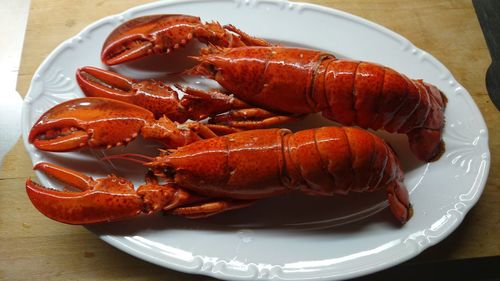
{"x": 93, "y": 122}
{"x": 152, "y": 95}
{"x": 109, "y": 199}
{"x": 161, "y": 34}
{"x": 148, "y": 35}
{"x": 104, "y": 123}
{"x": 102, "y": 200}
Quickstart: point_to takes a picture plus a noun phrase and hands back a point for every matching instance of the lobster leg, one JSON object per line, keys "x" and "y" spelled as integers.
{"x": 184, "y": 203}
{"x": 252, "y": 118}
{"x": 230, "y": 111}
{"x": 221, "y": 130}
{"x": 211, "y": 208}
{"x": 154, "y": 194}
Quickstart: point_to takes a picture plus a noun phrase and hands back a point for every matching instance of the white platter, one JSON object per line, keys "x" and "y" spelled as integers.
{"x": 291, "y": 237}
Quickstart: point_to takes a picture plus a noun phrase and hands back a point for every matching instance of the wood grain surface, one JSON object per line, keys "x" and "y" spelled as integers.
{"x": 33, "y": 247}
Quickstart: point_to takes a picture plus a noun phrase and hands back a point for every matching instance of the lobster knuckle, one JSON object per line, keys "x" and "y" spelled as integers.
{"x": 170, "y": 133}
{"x": 201, "y": 104}
{"x": 160, "y": 99}
{"x": 156, "y": 197}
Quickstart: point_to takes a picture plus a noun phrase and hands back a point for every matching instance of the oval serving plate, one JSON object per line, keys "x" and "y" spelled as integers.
{"x": 291, "y": 237}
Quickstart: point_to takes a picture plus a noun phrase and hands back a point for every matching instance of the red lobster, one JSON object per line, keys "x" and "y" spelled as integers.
{"x": 207, "y": 173}
{"x": 274, "y": 84}
{"x": 229, "y": 172}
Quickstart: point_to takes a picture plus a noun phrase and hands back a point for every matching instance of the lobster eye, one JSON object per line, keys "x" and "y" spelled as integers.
{"x": 169, "y": 172}
{"x": 213, "y": 68}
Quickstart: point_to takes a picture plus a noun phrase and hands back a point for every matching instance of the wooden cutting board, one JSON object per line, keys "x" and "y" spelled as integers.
{"x": 34, "y": 247}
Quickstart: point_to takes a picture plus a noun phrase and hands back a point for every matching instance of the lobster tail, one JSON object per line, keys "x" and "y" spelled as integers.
{"x": 300, "y": 81}
{"x": 426, "y": 142}
{"x": 377, "y": 97}
{"x": 331, "y": 160}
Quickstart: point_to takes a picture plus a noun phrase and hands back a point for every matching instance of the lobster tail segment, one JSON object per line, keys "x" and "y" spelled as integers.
{"x": 331, "y": 160}
{"x": 399, "y": 204}
{"x": 426, "y": 142}
{"x": 376, "y": 97}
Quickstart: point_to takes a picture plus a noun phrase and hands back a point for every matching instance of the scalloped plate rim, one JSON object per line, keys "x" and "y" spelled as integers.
{"x": 116, "y": 242}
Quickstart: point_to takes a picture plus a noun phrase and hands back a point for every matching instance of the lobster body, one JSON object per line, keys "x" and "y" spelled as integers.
{"x": 246, "y": 165}
{"x": 261, "y": 163}
{"x": 275, "y": 78}
{"x": 222, "y": 173}
{"x": 297, "y": 81}
{"x": 256, "y": 164}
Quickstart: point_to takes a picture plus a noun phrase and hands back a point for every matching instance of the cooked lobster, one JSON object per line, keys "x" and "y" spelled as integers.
{"x": 229, "y": 172}
{"x": 210, "y": 168}
{"x": 276, "y": 84}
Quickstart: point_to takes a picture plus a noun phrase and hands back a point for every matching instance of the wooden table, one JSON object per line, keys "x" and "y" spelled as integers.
{"x": 34, "y": 247}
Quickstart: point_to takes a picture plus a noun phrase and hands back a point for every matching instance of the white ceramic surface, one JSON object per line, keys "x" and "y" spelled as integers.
{"x": 293, "y": 236}
{"x": 13, "y": 14}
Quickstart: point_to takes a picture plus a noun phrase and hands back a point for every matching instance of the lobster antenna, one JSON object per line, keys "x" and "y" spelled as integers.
{"x": 133, "y": 157}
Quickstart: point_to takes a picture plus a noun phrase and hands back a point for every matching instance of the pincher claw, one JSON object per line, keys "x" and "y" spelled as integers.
{"x": 92, "y": 122}
{"x": 152, "y": 95}
{"x": 162, "y": 34}
{"x": 105, "y": 123}
{"x": 108, "y": 199}
{"x": 146, "y": 35}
